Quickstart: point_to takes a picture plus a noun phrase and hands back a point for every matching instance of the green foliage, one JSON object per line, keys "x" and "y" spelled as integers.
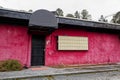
{"x": 59, "y": 12}
{"x": 77, "y": 15}
{"x": 10, "y": 65}
{"x": 116, "y": 18}
{"x": 85, "y": 14}
{"x": 102, "y": 19}
{"x": 70, "y": 15}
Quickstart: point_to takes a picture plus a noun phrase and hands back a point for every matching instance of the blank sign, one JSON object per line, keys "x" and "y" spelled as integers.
{"x": 72, "y": 43}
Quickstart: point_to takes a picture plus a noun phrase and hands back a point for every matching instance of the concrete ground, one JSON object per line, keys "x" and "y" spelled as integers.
{"x": 46, "y": 71}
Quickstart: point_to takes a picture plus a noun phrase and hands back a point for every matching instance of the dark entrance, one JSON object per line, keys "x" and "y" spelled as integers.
{"x": 38, "y": 46}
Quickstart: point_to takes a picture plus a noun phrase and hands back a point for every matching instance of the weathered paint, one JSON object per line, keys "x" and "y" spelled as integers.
{"x": 103, "y": 48}
{"x": 15, "y": 43}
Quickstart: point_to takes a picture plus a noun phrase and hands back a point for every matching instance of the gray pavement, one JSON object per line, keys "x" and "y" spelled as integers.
{"x": 46, "y": 71}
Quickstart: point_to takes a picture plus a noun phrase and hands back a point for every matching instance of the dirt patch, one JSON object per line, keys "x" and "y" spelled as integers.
{"x": 38, "y": 68}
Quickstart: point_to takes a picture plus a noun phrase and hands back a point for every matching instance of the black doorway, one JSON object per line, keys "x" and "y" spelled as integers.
{"x": 38, "y": 46}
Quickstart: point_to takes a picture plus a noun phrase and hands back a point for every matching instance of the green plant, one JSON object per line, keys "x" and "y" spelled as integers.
{"x": 10, "y": 65}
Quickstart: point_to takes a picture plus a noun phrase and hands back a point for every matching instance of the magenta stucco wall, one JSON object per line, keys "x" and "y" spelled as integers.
{"x": 103, "y": 48}
{"x": 15, "y": 43}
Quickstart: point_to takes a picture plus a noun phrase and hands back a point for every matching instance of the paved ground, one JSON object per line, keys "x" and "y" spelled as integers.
{"x": 46, "y": 71}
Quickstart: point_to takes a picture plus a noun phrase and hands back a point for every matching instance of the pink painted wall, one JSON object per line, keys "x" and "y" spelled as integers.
{"x": 15, "y": 43}
{"x": 103, "y": 48}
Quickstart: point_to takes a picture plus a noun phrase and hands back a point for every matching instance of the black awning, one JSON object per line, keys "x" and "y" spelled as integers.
{"x": 43, "y": 18}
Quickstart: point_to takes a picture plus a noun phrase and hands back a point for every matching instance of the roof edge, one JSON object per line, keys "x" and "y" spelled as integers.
{"x": 61, "y": 20}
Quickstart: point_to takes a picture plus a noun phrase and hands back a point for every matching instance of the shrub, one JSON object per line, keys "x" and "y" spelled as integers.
{"x": 1, "y": 66}
{"x": 10, "y": 65}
